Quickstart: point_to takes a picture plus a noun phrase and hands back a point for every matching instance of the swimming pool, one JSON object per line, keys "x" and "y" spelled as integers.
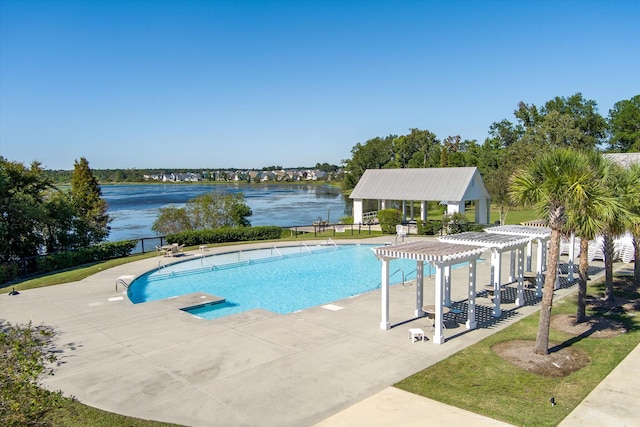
{"x": 282, "y": 280}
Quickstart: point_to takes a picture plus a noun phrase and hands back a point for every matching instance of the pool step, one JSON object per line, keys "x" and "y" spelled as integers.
{"x": 189, "y": 300}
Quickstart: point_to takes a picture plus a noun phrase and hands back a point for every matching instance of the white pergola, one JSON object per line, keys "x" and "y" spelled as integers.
{"x": 541, "y": 235}
{"x": 440, "y": 255}
{"x": 497, "y": 244}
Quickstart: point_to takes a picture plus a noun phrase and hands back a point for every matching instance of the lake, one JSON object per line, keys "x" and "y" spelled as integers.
{"x": 135, "y": 207}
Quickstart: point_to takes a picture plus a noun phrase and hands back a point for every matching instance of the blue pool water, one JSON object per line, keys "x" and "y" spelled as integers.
{"x": 282, "y": 280}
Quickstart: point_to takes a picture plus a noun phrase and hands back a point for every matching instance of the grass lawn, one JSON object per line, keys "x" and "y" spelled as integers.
{"x": 478, "y": 380}
{"x": 72, "y": 413}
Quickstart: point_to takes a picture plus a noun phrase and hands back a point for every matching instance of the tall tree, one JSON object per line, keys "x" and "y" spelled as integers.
{"x": 92, "y": 221}
{"x": 22, "y": 193}
{"x": 374, "y": 154}
{"x": 587, "y": 216}
{"x": 584, "y": 113}
{"x": 615, "y": 225}
{"x": 624, "y": 125}
{"x": 552, "y": 183}
{"x": 207, "y": 211}
{"x": 632, "y": 184}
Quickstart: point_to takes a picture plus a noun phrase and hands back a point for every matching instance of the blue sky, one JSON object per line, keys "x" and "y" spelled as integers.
{"x": 247, "y": 84}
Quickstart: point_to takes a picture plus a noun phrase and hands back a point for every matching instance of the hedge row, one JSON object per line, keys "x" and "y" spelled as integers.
{"x": 95, "y": 253}
{"x": 224, "y": 235}
{"x": 429, "y": 227}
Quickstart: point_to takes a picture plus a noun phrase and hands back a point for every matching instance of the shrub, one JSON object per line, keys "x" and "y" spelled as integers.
{"x": 346, "y": 220}
{"x": 225, "y": 234}
{"x": 429, "y": 227}
{"x": 388, "y": 219}
{"x": 458, "y": 223}
{"x": 27, "y": 354}
{"x": 8, "y": 271}
{"x": 94, "y": 253}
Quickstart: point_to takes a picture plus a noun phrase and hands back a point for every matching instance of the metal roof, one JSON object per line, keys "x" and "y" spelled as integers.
{"x": 431, "y": 251}
{"x": 521, "y": 230}
{"x": 438, "y": 184}
{"x": 488, "y": 240}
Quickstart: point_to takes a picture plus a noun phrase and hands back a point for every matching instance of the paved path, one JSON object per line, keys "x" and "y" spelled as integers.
{"x": 320, "y": 365}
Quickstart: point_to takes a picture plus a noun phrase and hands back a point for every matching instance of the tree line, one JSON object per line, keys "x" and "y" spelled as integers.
{"x": 38, "y": 217}
{"x": 570, "y": 122}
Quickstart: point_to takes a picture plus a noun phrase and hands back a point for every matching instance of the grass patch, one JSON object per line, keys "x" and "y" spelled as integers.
{"x": 71, "y": 413}
{"x": 478, "y": 380}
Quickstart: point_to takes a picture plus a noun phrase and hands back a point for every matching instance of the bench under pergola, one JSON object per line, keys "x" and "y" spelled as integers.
{"x": 440, "y": 255}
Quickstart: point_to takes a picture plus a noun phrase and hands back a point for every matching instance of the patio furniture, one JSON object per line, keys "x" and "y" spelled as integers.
{"x": 430, "y": 311}
{"x": 416, "y": 334}
{"x": 400, "y": 232}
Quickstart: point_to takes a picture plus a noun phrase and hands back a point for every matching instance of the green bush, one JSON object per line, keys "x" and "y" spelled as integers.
{"x": 458, "y": 223}
{"x": 8, "y": 271}
{"x": 346, "y": 220}
{"x": 28, "y": 353}
{"x": 94, "y": 253}
{"x": 430, "y": 227}
{"x": 388, "y": 219}
{"x": 225, "y": 235}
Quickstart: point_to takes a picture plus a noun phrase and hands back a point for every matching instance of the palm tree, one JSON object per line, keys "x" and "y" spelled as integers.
{"x": 553, "y": 182}
{"x": 587, "y": 217}
{"x": 631, "y": 191}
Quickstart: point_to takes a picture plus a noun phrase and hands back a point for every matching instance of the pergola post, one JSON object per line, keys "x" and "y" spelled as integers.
{"x": 572, "y": 256}
{"x": 520, "y": 287}
{"x": 512, "y": 266}
{"x": 447, "y": 286}
{"x": 496, "y": 267}
{"x": 438, "y": 335}
{"x": 539, "y": 264}
{"x": 419, "y": 288}
{"x": 471, "y": 303}
{"x": 529, "y": 253}
{"x": 384, "y": 291}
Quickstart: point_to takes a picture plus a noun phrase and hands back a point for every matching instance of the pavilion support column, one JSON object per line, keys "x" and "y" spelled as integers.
{"x": 419, "y": 288}
{"x": 539, "y": 263}
{"x": 404, "y": 211}
{"x": 471, "y": 302}
{"x": 496, "y": 266}
{"x": 357, "y": 211}
{"x": 512, "y": 266}
{"x": 447, "y": 286}
{"x": 438, "y": 335}
{"x": 423, "y": 210}
{"x": 529, "y": 253}
{"x": 411, "y": 210}
{"x": 384, "y": 290}
{"x": 572, "y": 257}
{"x": 520, "y": 291}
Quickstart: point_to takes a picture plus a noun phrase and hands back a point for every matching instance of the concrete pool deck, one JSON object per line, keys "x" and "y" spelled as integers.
{"x": 257, "y": 368}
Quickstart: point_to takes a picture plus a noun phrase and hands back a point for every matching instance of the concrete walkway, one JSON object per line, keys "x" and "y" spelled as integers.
{"x": 328, "y": 365}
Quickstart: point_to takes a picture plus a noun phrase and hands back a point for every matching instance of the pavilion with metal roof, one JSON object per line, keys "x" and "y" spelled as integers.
{"x": 440, "y": 255}
{"x": 497, "y": 244}
{"x": 449, "y": 186}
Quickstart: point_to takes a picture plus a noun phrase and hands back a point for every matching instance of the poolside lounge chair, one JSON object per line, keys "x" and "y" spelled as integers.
{"x": 400, "y": 232}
